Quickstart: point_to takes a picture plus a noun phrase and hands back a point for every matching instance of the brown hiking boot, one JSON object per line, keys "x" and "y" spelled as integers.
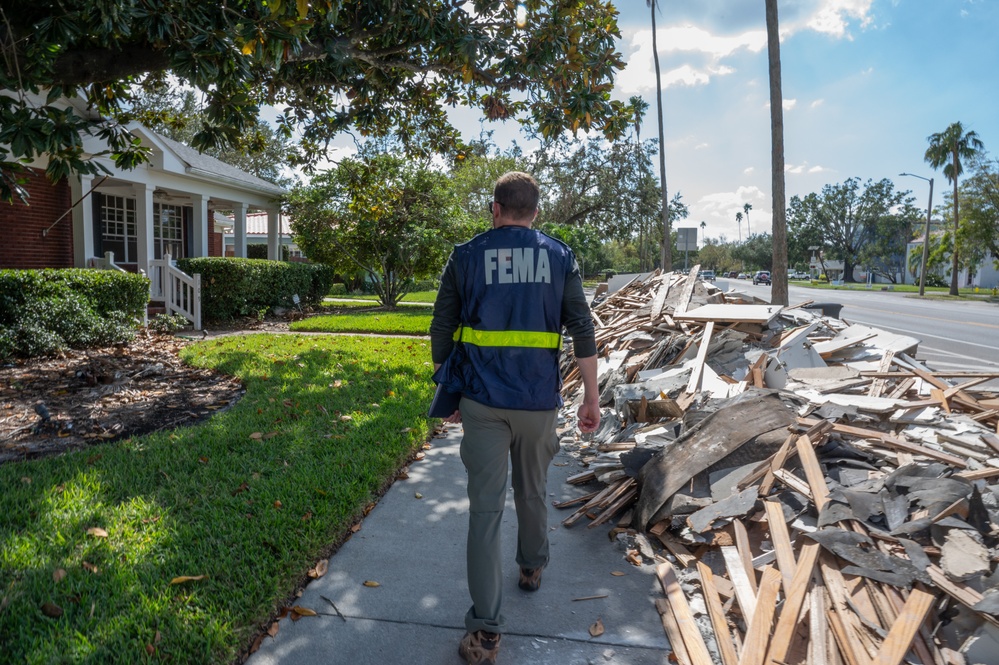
{"x": 480, "y": 647}
{"x": 530, "y": 578}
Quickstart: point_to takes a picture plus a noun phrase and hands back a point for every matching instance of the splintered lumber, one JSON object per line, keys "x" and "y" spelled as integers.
{"x": 697, "y": 651}
{"x": 906, "y": 627}
{"x": 688, "y": 290}
{"x": 842, "y": 620}
{"x": 820, "y": 645}
{"x": 754, "y": 649}
{"x": 878, "y": 385}
{"x": 762, "y": 314}
{"x": 795, "y": 593}
{"x": 723, "y": 637}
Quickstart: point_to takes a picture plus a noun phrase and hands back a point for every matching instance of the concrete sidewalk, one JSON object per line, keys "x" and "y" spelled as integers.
{"x": 415, "y": 549}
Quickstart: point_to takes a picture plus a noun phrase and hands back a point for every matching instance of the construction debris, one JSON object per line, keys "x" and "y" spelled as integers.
{"x": 820, "y": 495}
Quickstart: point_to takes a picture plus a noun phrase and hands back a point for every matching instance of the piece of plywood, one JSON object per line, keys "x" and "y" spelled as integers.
{"x": 723, "y": 637}
{"x": 697, "y": 650}
{"x": 906, "y": 627}
{"x": 762, "y": 314}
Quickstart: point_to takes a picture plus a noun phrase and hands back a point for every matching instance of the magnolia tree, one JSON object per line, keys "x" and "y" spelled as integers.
{"x": 382, "y": 215}
{"x": 376, "y": 67}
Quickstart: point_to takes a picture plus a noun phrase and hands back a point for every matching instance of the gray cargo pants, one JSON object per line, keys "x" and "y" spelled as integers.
{"x": 528, "y": 440}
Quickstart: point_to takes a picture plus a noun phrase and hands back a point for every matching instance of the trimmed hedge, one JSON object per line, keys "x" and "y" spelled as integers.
{"x": 232, "y": 287}
{"x": 46, "y": 311}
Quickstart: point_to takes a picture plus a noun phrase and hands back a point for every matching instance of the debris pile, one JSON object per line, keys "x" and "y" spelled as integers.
{"x": 826, "y": 497}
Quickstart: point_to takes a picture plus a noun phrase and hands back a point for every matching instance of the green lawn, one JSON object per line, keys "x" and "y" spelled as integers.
{"x": 250, "y": 500}
{"x": 411, "y": 321}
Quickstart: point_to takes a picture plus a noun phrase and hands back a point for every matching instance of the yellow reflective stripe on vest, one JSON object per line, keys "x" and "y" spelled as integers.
{"x": 520, "y": 338}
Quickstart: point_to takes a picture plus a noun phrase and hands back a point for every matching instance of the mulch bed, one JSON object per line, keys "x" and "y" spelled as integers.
{"x": 53, "y": 405}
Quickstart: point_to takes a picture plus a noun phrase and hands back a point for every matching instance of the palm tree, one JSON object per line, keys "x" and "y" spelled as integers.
{"x": 704, "y": 225}
{"x": 667, "y": 249}
{"x": 746, "y": 207}
{"x": 778, "y": 273}
{"x": 738, "y": 220}
{"x": 947, "y": 149}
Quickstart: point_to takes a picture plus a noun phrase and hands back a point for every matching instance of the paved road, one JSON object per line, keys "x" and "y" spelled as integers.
{"x": 955, "y": 336}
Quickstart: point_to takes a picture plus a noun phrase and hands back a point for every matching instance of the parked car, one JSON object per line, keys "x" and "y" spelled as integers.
{"x": 734, "y": 274}
{"x": 797, "y": 274}
{"x": 762, "y": 277}
{"x": 707, "y": 275}
{"x": 743, "y": 275}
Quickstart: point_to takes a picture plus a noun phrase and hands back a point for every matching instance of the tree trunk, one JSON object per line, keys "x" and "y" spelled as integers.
{"x": 778, "y": 274}
{"x": 953, "y": 270}
{"x": 666, "y": 256}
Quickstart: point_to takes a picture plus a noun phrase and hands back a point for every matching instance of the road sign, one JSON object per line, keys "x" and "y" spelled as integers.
{"x": 686, "y": 240}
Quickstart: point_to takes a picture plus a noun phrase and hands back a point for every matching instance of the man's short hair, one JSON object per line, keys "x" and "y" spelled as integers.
{"x": 518, "y": 194}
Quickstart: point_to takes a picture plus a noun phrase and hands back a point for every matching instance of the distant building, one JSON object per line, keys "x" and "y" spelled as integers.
{"x": 984, "y": 275}
{"x": 256, "y": 234}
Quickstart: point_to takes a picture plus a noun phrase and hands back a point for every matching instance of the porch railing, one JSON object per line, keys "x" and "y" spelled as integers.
{"x": 104, "y": 263}
{"x": 180, "y": 292}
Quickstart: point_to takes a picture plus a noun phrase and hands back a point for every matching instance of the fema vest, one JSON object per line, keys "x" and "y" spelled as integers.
{"x": 511, "y": 282}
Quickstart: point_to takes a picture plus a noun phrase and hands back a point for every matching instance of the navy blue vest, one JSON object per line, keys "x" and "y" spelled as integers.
{"x": 511, "y": 282}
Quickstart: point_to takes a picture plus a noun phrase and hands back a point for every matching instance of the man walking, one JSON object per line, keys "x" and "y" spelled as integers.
{"x": 504, "y": 299}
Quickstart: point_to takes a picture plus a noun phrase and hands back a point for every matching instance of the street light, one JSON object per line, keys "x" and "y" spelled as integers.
{"x": 926, "y": 236}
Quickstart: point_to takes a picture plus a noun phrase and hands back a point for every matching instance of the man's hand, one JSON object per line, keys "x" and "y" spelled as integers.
{"x": 588, "y": 415}
{"x": 454, "y": 417}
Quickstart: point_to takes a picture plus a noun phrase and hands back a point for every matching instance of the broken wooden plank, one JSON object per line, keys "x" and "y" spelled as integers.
{"x": 891, "y": 442}
{"x": 688, "y": 290}
{"x": 906, "y": 627}
{"x": 813, "y": 472}
{"x": 795, "y": 593}
{"x": 745, "y": 552}
{"x": 723, "y": 637}
{"x": 781, "y": 540}
{"x": 672, "y": 629}
{"x": 744, "y": 593}
{"x": 754, "y": 649}
{"x": 694, "y": 384}
{"x": 692, "y": 639}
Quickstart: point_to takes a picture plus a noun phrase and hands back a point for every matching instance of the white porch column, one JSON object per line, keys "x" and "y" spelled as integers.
{"x": 274, "y": 235}
{"x": 144, "y": 237}
{"x": 239, "y": 230}
{"x": 199, "y": 225}
{"x": 83, "y": 220}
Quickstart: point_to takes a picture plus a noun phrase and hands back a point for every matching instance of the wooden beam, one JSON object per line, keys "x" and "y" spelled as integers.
{"x": 745, "y": 551}
{"x": 795, "y": 593}
{"x": 672, "y": 631}
{"x": 692, "y": 639}
{"x": 694, "y": 384}
{"x": 906, "y": 627}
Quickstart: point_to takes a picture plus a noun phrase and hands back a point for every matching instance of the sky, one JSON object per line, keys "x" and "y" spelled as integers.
{"x": 865, "y": 82}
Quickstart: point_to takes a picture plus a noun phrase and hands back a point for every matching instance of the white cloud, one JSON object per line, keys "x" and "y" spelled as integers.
{"x": 789, "y": 104}
{"x": 832, "y": 17}
{"x": 817, "y": 169}
{"x": 749, "y": 170}
{"x": 797, "y": 169}
{"x": 817, "y": 103}
{"x": 702, "y": 146}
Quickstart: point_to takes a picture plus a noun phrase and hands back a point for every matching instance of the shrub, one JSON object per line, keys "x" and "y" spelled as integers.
{"x": 232, "y": 287}
{"x": 338, "y": 289}
{"x": 53, "y": 314}
{"x": 105, "y": 291}
{"x": 168, "y": 323}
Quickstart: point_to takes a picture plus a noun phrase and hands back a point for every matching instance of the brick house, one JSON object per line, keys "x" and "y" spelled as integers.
{"x": 165, "y": 206}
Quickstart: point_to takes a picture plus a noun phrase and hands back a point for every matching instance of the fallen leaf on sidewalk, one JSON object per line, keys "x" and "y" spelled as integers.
{"x": 273, "y": 630}
{"x": 320, "y": 569}
{"x": 299, "y": 611}
{"x": 618, "y": 573}
{"x": 371, "y": 583}
{"x": 597, "y": 629}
